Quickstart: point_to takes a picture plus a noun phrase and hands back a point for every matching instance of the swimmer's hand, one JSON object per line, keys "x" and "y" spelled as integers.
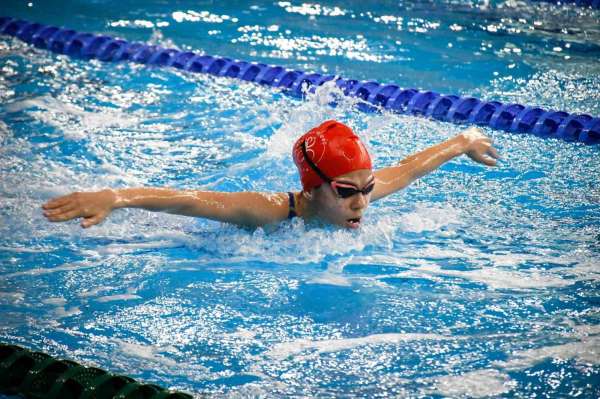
{"x": 93, "y": 207}
{"x": 478, "y": 146}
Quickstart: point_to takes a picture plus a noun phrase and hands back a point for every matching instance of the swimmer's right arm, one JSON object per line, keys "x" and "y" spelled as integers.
{"x": 471, "y": 142}
{"x": 242, "y": 208}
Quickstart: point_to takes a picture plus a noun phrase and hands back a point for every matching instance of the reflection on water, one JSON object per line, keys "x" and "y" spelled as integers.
{"x": 472, "y": 282}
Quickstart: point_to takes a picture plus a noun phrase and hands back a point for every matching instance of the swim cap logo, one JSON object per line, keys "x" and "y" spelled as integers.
{"x": 316, "y": 152}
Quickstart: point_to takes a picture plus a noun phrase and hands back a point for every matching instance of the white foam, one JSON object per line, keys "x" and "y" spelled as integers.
{"x": 94, "y": 291}
{"x": 496, "y": 278}
{"x": 516, "y": 258}
{"x": 425, "y": 218}
{"x": 585, "y": 351}
{"x": 293, "y": 241}
{"x": 585, "y": 269}
{"x": 159, "y": 39}
{"x": 133, "y": 247}
{"x": 585, "y": 330}
{"x": 62, "y": 268}
{"x": 286, "y": 349}
{"x": 118, "y": 297}
{"x": 380, "y": 260}
{"x": 4, "y": 129}
{"x": 241, "y": 335}
{"x": 474, "y": 384}
{"x": 307, "y": 115}
{"x": 504, "y": 274}
{"x": 53, "y": 112}
{"x": 150, "y": 356}
{"x": 46, "y": 102}
{"x": 58, "y": 301}
{"x": 12, "y": 297}
{"x": 61, "y": 311}
{"x": 333, "y": 274}
{"x": 24, "y": 250}
{"x": 147, "y": 352}
{"x": 330, "y": 279}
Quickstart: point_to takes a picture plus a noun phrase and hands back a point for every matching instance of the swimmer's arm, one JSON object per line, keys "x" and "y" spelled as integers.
{"x": 242, "y": 208}
{"x": 470, "y": 142}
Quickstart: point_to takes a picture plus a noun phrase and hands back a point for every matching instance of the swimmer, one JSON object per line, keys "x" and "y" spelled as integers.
{"x": 338, "y": 183}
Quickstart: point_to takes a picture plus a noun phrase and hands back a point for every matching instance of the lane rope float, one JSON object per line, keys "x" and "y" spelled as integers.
{"x": 37, "y": 375}
{"x": 580, "y": 3}
{"x": 511, "y": 117}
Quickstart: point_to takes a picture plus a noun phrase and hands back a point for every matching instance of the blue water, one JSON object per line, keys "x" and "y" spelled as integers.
{"x": 473, "y": 282}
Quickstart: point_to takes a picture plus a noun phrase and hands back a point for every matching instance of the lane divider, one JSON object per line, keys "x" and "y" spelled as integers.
{"x": 580, "y": 3}
{"x": 514, "y": 118}
{"x": 37, "y": 375}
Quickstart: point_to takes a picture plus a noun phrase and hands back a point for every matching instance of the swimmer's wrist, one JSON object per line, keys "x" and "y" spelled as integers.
{"x": 469, "y": 137}
{"x": 460, "y": 144}
{"x": 115, "y": 199}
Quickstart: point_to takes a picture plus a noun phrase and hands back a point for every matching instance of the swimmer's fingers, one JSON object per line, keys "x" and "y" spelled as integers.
{"x": 60, "y": 210}
{"x": 61, "y": 217}
{"x": 57, "y": 202}
{"x": 91, "y": 221}
{"x": 492, "y": 152}
{"x": 486, "y": 160}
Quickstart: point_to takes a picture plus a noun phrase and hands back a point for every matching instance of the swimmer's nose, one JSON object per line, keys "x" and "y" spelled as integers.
{"x": 359, "y": 201}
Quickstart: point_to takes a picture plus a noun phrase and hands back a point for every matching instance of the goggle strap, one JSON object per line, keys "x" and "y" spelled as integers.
{"x": 312, "y": 165}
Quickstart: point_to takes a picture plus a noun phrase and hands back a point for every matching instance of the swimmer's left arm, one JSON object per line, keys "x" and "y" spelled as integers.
{"x": 471, "y": 142}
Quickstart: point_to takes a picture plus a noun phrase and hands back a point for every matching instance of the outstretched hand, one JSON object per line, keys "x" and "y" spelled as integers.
{"x": 479, "y": 147}
{"x": 93, "y": 207}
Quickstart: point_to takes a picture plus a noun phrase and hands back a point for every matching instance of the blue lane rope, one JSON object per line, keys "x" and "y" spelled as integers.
{"x": 580, "y": 3}
{"x": 515, "y": 118}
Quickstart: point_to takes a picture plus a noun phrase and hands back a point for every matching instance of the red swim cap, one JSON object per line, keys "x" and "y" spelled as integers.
{"x": 334, "y": 149}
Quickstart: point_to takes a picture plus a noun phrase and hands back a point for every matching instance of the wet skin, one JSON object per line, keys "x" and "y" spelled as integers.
{"x": 344, "y": 212}
{"x": 255, "y": 209}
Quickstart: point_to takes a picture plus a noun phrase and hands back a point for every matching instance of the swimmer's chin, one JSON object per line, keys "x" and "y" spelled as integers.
{"x": 319, "y": 223}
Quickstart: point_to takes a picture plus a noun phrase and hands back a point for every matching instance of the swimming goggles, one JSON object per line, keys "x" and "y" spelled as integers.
{"x": 342, "y": 190}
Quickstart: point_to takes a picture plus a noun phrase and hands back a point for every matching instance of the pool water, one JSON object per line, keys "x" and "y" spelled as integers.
{"x": 473, "y": 282}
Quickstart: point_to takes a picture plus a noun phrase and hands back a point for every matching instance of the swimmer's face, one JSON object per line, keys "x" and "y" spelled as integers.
{"x": 345, "y": 212}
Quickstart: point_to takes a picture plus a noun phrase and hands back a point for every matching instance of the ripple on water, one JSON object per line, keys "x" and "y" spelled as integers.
{"x": 468, "y": 283}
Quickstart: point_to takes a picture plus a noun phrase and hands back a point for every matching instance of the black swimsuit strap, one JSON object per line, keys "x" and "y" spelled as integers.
{"x": 292, "y": 201}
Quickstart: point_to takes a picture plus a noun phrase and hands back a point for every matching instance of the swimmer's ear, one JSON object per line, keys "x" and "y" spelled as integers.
{"x": 307, "y": 195}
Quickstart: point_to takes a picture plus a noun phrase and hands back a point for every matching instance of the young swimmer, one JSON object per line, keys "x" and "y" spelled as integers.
{"x": 338, "y": 183}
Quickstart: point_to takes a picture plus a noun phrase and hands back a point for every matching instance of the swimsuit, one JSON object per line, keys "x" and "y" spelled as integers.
{"x": 292, "y": 213}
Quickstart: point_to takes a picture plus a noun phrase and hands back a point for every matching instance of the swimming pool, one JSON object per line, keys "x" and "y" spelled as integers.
{"x": 473, "y": 282}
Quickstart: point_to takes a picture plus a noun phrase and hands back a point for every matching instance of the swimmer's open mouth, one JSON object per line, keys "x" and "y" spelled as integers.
{"x": 353, "y": 222}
